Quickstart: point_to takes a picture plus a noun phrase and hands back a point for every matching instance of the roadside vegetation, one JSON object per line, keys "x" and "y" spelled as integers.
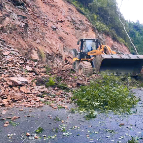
{"x": 107, "y": 93}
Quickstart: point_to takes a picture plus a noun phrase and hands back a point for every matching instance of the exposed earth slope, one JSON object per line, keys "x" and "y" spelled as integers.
{"x": 52, "y": 26}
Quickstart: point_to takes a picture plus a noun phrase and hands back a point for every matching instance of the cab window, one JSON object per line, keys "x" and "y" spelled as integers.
{"x": 89, "y": 45}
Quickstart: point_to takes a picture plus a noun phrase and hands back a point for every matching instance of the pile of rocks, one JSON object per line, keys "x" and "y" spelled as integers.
{"x": 16, "y": 74}
{"x": 19, "y": 81}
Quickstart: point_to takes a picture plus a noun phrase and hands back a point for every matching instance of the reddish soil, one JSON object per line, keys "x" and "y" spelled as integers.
{"x": 52, "y": 26}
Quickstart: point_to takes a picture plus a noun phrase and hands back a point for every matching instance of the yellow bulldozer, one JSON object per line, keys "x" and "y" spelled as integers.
{"x": 92, "y": 56}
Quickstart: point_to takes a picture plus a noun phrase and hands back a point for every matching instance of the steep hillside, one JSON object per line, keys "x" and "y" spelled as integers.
{"x": 46, "y": 27}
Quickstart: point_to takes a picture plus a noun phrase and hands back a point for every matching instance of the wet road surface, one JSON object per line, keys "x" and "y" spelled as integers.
{"x": 61, "y": 126}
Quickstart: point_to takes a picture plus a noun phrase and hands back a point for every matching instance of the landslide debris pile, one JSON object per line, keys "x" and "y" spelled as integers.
{"x": 15, "y": 83}
{"x": 27, "y": 83}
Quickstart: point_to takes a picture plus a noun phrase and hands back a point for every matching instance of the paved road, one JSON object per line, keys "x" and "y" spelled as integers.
{"x": 61, "y": 126}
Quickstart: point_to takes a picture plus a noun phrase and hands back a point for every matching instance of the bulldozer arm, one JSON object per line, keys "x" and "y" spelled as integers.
{"x": 102, "y": 50}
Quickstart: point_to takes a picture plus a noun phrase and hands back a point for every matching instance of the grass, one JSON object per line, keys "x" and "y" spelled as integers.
{"x": 60, "y": 107}
{"x": 108, "y": 93}
{"x": 52, "y": 137}
{"x": 59, "y": 78}
{"x": 110, "y": 131}
{"x": 72, "y": 110}
{"x": 62, "y": 128}
{"x": 57, "y": 82}
{"x": 63, "y": 86}
{"x": 56, "y": 130}
{"x": 47, "y": 102}
{"x": 33, "y": 80}
{"x": 133, "y": 82}
{"x": 91, "y": 114}
{"x": 26, "y": 71}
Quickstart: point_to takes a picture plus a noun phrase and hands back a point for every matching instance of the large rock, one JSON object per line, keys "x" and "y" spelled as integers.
{"x": 6, "y": 53}
{"x": 24, "y": 89}
{"x": 29, "y": 68}
{"x": 16, "y": 81}
{"x": 17, "y": 97}
{"x": 34, "y": 55}
{"x": 67, "y": 67}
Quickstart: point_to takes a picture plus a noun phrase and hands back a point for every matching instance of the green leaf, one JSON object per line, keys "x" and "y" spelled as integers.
{"x": 39, "y": 130}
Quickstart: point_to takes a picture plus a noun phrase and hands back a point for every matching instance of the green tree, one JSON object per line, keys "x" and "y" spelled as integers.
{"x": 105, "y": 17}
{"x": 85, "y": 2}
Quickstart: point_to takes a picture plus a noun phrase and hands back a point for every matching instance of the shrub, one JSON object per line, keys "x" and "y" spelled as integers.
{"x": 102, "y": 27}
{"x": 106, "y": 93}
{"x": 51, "y": 82}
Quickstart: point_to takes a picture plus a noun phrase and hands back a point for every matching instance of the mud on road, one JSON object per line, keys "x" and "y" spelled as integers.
{"x": 62, "y": 126}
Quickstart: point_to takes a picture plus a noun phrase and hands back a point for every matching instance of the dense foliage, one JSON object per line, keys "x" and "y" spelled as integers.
{"x": 105, "y": 17}
{"x": 136, "y": 33}
{"x": 106, "y": 93}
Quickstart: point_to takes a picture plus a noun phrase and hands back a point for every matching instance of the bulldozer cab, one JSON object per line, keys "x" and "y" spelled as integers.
{"x": 86, "y": 46}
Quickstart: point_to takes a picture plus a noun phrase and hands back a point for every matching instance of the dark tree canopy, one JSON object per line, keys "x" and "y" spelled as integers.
{"x": 136, "y": 33}
{"x": 85, "y": 2}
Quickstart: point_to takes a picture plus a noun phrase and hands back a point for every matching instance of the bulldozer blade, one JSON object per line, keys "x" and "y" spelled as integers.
{"x": 121, "y": 64}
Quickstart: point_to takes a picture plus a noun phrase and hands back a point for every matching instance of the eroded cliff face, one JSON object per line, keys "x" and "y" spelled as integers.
{"x": 47, "y": 27}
